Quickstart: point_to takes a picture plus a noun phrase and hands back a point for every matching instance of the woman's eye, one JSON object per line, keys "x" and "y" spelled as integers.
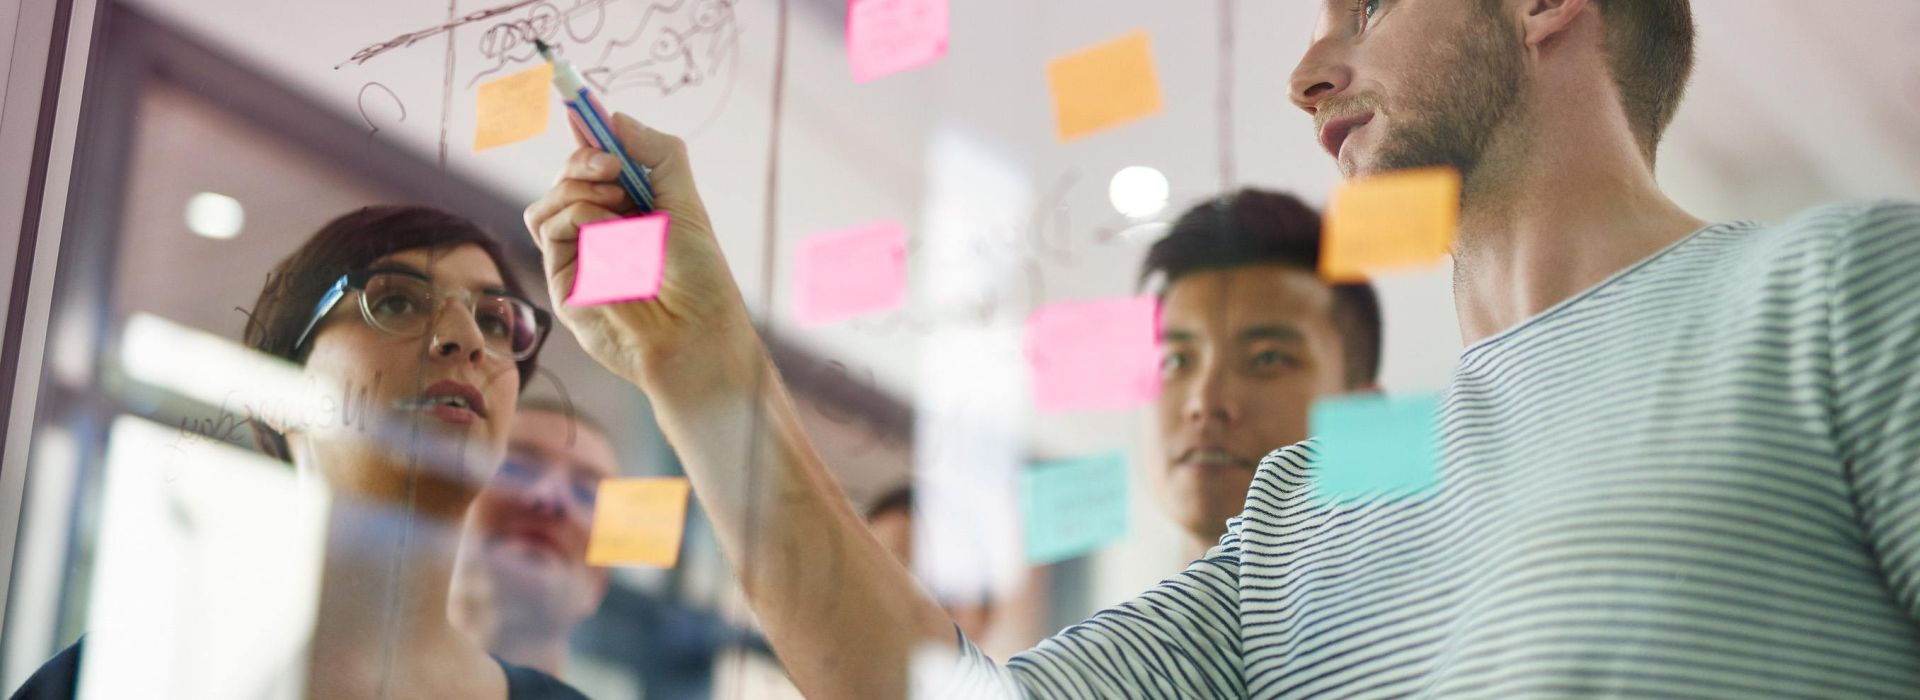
{"x": 396, "y": 304}
{"x": 1366, "y": 9}
{"x": 495, "y": 326}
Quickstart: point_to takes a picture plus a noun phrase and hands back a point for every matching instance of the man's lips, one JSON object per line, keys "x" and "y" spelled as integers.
{"x": 1333, "y": 134}
{"x": 1213, "y": 456}
{"x": 538, "y": 539}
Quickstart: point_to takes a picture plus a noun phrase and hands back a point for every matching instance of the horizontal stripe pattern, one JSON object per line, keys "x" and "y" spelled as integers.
{"x": 1700, "y": 478}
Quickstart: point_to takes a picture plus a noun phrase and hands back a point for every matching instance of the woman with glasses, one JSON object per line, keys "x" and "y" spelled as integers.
{"x": 412, "y": 310}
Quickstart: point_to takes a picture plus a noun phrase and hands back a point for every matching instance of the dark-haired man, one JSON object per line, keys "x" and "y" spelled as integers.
{"x": 1251, "y": 337}
{"x": 1678, "y": 460}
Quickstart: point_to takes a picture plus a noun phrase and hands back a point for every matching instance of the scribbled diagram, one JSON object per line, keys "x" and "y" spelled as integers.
{"x": 366, "y": 111}
{"x": 660, "y": 46}
{"x": 673, "y": 47}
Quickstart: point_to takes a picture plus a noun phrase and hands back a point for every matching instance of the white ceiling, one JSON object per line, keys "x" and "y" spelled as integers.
{"x": 1794, "y": 103}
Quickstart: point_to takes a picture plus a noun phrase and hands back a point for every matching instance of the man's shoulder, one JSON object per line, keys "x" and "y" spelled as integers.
{"x": 1812, "y": 248}
{"x": 1845, "y": 225}
{"x": 1285, "y": 470}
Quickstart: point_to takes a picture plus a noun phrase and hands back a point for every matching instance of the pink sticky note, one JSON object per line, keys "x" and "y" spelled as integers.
{"x": 888, "y": 36}
{"x": 1094, "y": 356}
{"x": 847, "y": 273}
{"x": 620, "y": 260}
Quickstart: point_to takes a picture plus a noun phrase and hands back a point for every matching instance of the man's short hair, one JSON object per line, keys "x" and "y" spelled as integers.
{"x": 898, "y": 498}
{"x": 1262, "y": 227}
{"x": 1651, "y": 47}
{"x": 560, "y": 407}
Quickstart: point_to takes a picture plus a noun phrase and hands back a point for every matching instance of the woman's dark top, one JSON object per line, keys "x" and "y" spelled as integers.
{"x": 59, "y": 678}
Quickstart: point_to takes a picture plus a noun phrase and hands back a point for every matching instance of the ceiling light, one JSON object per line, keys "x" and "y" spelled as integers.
{"x": 215, "y": 215}
{"x": 1138, "y": 191}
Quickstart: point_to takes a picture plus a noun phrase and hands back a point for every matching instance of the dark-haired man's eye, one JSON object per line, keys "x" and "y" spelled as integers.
{"x": 1173, "y": 362}
{"x": 1273, "y": 359}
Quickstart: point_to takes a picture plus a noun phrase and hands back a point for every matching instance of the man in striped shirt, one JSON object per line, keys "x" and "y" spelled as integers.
{"x": 1679, "y": 459}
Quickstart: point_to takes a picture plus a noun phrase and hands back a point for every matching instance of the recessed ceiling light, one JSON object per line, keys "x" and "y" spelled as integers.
{"x": 1138, "y": 191}
{"x": 215, "y": 215}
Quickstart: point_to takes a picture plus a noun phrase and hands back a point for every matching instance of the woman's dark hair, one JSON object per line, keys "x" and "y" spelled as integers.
{"x": 1262, "y": 227}
{"x": 346, "y": 244}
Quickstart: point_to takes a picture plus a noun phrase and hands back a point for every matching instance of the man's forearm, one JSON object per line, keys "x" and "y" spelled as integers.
{"x": 843, "y": 615}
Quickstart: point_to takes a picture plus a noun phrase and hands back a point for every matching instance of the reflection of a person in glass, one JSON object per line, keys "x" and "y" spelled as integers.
{"x": 414, "y": 307}
{"x": 523, "y": 583}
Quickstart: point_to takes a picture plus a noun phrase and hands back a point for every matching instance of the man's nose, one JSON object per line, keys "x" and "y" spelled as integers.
{"x": 1322, "y": 74}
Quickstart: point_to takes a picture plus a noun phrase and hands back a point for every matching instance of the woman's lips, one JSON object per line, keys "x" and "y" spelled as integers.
{"x": 451, "y": 414}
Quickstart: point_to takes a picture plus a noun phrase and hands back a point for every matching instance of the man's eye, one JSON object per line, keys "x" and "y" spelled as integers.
{"x": 515, "y": 471}
{"x": 1173, "y": 361}
{"x": 1271, "y": 359}
{"x": 1365, "y": 10}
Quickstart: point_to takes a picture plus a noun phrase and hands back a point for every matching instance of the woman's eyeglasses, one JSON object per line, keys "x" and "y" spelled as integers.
{"x": 404, "y": 304}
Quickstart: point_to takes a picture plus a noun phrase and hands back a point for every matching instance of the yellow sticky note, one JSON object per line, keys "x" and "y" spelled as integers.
{"x": 1399, "y": 219}
{"x": 1104, "y": 86}
{"x": 638, "y": 521}
{"x": 514, "y": 108}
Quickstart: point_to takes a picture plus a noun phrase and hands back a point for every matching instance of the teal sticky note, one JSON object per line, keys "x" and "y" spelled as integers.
{"x": 1073, "y": 506}
{"x": 1376, "y": 447}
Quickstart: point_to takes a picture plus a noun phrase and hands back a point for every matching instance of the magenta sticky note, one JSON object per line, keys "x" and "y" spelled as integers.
{"x": 1094, "y": 355}
{"x": 847, "y": 273}
{"x": 620, "y": 260}
{"x": 888, "y": 36}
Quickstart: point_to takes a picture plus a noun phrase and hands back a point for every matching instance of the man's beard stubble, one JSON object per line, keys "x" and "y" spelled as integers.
{"x": 1470, "y": 96}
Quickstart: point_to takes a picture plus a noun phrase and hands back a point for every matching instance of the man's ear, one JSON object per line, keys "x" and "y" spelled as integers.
{"x": 1542, "y": 21}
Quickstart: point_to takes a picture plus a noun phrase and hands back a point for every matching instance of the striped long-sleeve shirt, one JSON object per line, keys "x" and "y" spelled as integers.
{"x": 1699, "y": 478}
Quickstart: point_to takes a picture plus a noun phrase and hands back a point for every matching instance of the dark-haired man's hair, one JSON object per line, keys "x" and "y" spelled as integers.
{"x": 899, "y": 498}
{"x": 346, "y": 244}
{"x": 1261, "y": 227}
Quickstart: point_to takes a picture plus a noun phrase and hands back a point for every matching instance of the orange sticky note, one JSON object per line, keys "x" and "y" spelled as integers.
{"x": 1399, "y": 219}
{"x": 1104, "y": 86}
{"x": 514, "y": 108}
{"x": 638, "y": 521}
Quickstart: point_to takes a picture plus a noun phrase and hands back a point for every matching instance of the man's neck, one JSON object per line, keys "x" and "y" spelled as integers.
{"x": 539, "y": 649}
{"x": 1194, "y": 546}
{"x": 1553, "y": 216}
